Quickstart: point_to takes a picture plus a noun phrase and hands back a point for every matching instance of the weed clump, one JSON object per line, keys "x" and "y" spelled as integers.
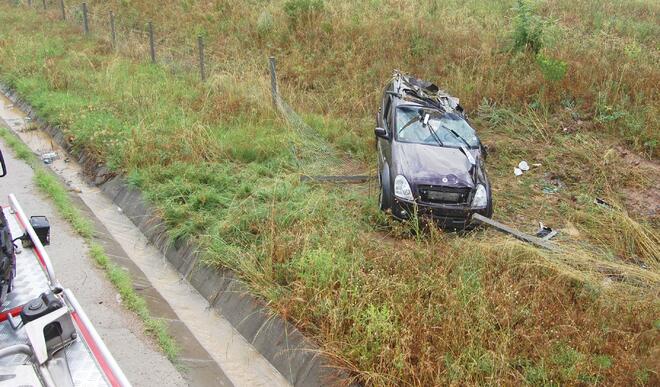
{"x": 298, "y": 10}
{"x": 552, "y": 69}
{"x": 528, "y": 29}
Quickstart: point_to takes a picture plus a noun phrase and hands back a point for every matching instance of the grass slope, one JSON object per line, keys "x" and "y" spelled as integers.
{"x": 390, "y": 305}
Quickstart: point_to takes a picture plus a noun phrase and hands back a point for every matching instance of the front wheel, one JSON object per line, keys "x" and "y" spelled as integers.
{"x": 384, "y": 199}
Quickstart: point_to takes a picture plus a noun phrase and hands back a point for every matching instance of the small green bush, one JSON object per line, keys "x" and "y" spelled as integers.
{"x": 528, "y": 29}
{"x": 552, "y": 69}
{"x": 297, "y": 9}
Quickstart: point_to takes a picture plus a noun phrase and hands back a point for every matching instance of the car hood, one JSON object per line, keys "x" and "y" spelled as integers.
{"x": 433, "y": 165}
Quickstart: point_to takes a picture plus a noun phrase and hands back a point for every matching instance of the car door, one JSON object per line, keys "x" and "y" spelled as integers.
{"x": 384, "y": 121}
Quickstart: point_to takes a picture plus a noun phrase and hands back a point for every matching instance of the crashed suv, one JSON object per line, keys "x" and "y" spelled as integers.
{"x": 430, "y": 160}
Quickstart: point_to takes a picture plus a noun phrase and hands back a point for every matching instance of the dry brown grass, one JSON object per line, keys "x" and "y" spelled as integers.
{"x": 392, "y": 306}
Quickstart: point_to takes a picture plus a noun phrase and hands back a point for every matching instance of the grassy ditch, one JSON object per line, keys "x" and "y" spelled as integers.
{"x": 53, "y": 188}
{"x": 392, "y": 307}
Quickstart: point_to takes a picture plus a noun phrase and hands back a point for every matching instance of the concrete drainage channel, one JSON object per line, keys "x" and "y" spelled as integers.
{"x": 226, "y": 335}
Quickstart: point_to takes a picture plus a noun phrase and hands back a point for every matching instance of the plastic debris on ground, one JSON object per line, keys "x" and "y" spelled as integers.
{"x": 545, "y": 232}
{"x": 49, "y": 157}
{"x": 602, "y": 203}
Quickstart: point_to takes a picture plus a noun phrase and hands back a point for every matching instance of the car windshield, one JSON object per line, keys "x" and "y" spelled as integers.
{"x": 409, "y": 128}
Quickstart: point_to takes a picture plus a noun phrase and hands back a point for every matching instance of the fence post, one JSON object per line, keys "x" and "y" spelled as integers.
{"x": 273, "y": 80}
{"x": 30, "y": 3}
{"x": 200, "y": 47}
{"x": 112, "y": 30}
{"x": 63, "y": 11}
{"x": 44, "y": 4}
{"x": 85, "y": 21}
{"x": 151, "y": 43}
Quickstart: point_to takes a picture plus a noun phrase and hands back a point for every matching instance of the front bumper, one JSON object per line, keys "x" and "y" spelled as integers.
{"x": 454, "y": 217}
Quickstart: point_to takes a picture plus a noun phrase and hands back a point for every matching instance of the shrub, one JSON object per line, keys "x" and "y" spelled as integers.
{"x": 528, "y": 29}
{"x": 265, "y": 23}
{"x": 297, "y": 9}
{"x": 552, "y": 69}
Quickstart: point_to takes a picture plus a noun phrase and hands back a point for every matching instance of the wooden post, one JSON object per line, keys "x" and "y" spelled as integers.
{"x": 200, "y": 47}
{"x": 62, "y": 8}
{"x": 273, "y": 80}
{"x": 85, "y": 21}
{"x": 151, "y": 43}
{"x": 112, "y": 30}
{"x": 44, "y": 4}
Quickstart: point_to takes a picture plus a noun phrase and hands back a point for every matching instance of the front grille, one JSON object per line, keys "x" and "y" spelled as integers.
{"x": 443, "y": 195}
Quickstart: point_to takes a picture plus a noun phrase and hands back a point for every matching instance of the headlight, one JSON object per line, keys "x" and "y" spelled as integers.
{"x": 480, "y": 197}
{"x": 402, "y": 188}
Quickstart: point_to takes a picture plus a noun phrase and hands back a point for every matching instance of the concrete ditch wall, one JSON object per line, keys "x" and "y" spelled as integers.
{"x": 294, "y": 356}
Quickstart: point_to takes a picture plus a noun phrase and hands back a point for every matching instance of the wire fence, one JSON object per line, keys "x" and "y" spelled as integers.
{"x": 142, "y": 40}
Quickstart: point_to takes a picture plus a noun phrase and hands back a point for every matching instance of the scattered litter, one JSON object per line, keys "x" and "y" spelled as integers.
{"x": 550, "y": 189}
{"x": 517, "y": 171}
{"x": 537, "y": 164}
{"x": 49, "y": 157}
{"x": 119, "y": 210}
{"x": 602, "y": 203}
{"x": 523, "y": 166}
{"x": 545, "y": 232}
{"x": 552, "y": 184}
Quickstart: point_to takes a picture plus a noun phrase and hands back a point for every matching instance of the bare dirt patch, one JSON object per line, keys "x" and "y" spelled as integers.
{"x": 642, "y": 201}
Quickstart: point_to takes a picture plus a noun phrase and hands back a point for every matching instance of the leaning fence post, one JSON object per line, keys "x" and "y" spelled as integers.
{"x": 62, "y": 8}
{"x": 200, "y": 47}
{"x": 112, "y": 30}
{"x": 151, "y": 43}
{"x": 85, "y": 22}
{"x": 273, "y": 80}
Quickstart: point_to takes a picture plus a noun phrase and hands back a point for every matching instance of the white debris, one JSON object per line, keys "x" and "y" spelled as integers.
{"x": 49, "y": 157}
{"x": 523, "y": 166}
{"x": 517, "y": 171}
{"x": 119, "y": 210}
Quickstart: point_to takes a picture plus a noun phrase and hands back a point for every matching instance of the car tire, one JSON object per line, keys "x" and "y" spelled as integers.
{"x": 384, "y": 198}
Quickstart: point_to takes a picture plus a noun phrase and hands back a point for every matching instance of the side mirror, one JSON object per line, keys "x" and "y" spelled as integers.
{"x": 2, "y": 164}
{"x": 380, "y": 132}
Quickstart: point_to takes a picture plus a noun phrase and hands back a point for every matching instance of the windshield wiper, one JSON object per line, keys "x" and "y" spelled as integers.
{"x": 433, "y": 133}
{"x": 463, "y": 147}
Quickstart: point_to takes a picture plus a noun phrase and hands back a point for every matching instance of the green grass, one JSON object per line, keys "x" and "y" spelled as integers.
{"x": 49, "y": 184}
{"x": 392, "y": 305}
